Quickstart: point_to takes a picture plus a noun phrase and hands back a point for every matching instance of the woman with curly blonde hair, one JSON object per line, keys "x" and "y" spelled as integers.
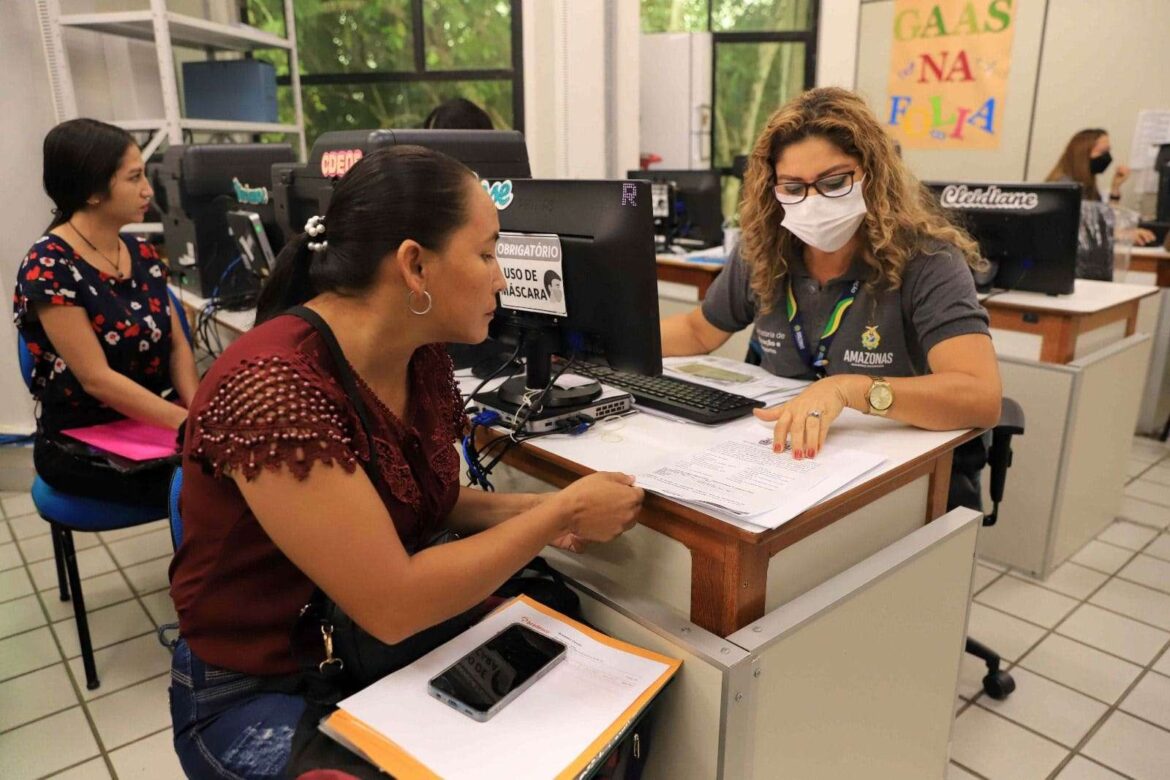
{"x": 851, "y": 276}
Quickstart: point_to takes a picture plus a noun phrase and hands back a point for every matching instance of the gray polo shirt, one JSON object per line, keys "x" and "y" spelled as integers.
{"x": 889, "y": 334}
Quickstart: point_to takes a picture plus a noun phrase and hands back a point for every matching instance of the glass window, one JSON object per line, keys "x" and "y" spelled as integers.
{"x": 344, "y": 37}
{"x": 751, "y": 81}
{"x": 761, "y": 15}
{"x": 467, "y": 36}
{"x": 760, "y": 52}
{"x": 674, "y": 16}
{"x": 358, "y": 65}
{"x": 396, "y": 104}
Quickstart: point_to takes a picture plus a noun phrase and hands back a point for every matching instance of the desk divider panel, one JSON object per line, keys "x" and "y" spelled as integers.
{"x": 833, "y": 549}
{"x": 858, "y": 677}
{"x": 648, "y": 563}
{"x": 687, "y": 736}
{"x": 1104, "y": 412}
{"x": 1044, "y": 391}
{"x": 1092, "y": 341}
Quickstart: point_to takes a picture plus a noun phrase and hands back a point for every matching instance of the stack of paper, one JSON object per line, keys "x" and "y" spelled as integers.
{"x": 747, "y": 479}
{"x": 557, "y": 728}
{"x": 733, "y": 377}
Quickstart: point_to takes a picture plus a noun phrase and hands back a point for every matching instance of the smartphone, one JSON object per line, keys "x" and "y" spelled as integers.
{"x": 482, "y": 682}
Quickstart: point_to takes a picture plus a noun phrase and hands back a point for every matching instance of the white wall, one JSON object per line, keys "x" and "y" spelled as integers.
{"x": 1101, "y": 65}
{"x": 113, "y": 79}
{"x": 581, "y": 87}
{"x": 1075, "y": 64}
{"x": 1003, "y": 164}
{"x": 28, "y": 115}
{"x": 837, "y": 35}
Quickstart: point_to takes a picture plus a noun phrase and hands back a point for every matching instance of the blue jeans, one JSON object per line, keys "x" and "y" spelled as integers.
{"x": 225, "y": 724}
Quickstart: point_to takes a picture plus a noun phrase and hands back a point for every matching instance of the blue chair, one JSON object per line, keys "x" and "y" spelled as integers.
{"x": 66, "y": 513}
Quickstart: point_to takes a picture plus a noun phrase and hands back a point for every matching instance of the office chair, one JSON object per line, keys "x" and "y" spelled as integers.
{"x": 66, "y": 513}
{"x": 173, "y": 508}
{"x": 997, "y": 683}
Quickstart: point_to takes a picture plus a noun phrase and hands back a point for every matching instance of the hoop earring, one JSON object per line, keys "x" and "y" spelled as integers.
{"x": 410, "y": 303}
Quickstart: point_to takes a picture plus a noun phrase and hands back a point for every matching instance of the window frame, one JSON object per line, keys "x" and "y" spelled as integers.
{"x": 808, "y": 37}
{"x": 420, "y": 74}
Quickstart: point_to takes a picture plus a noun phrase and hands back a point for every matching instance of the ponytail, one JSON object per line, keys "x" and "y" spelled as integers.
{"x": 59, "y": 218}
{"x": 289, "y": 284}
{"x": 389, "y": 196}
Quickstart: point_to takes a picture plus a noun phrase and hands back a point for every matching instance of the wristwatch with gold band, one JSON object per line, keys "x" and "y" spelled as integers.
{"x": 880, "y": 397}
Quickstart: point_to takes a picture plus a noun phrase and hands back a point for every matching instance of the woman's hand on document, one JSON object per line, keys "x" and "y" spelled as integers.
{"x": 806, "y": 418}
{"x": 597, "y": 508}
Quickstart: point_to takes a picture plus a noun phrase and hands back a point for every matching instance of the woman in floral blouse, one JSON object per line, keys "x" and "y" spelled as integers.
{"x": 93, "y": 309}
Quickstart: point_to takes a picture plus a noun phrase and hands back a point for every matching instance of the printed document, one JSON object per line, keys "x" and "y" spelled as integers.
{"x": 556, "y": 728}
{"x": 733, "y": 376}
{"x": 746, "y": 478}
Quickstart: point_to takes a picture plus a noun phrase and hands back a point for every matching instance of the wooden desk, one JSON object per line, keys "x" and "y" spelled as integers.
{"x": 729, "y": 564}
{"x": 1059, "y": 320}
{"x": 1147, "y": 259}
{"x": 700, "y": 275}
{"x": 236, "y": 323}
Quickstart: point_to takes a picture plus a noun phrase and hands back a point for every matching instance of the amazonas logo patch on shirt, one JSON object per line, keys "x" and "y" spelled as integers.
{"x": 870, "y": 339}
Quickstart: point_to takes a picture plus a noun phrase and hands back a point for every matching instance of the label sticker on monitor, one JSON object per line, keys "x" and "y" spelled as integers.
{"x": 532, "y": 270}
{"x": 499, "y": 191}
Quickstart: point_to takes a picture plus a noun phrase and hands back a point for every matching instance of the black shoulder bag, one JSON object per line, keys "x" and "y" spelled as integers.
{"x": 354, "y": 659}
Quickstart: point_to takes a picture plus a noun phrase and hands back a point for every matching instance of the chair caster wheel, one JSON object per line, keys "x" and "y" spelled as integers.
{"x": 998, "y": 685}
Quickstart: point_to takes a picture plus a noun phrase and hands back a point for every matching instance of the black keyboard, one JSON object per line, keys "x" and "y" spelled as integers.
{"x": 678, "y": 397}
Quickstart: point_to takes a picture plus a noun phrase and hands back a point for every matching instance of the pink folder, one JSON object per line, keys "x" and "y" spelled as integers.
{"x": 129, "y": 438}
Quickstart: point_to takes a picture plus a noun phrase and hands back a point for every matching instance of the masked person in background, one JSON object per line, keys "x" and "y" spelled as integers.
{"x": 850, "y": 275}
{"x": 1086, "y": 157}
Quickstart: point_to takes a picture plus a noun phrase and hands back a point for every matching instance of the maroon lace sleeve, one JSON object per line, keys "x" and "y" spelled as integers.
{"x": 272, "y": 412}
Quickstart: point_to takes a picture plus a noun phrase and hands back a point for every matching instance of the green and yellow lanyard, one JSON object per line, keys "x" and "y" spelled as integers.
{"x": 819, "y": 363}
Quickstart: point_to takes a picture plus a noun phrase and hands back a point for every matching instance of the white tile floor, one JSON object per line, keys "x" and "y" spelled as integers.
{"x": 1089, "y": 649}
{"x": 50, "y": 725}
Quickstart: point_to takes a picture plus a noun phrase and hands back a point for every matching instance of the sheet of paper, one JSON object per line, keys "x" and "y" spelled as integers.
{"x": 129, "y": 438}
{"x": 539, "y": 733}
{"x": 1151, "y": 130}
{"x": 747, "y": 479}
{"x": 732, "y": 376}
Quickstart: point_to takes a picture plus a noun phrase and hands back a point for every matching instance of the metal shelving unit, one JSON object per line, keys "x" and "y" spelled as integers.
{"x": 167, "y": 30}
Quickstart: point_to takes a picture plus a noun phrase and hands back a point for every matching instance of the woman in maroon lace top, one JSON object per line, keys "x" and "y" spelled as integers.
{"x": 276, "y": 501}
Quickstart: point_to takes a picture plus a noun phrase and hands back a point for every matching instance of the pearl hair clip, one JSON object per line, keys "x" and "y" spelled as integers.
{"x": 316, "y": 227}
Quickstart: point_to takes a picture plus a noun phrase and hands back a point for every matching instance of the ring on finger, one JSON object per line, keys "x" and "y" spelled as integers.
{"x": 815, "y": 413}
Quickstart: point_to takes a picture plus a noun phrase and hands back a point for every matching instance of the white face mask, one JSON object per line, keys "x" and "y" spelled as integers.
{"x": 826, "y": 223}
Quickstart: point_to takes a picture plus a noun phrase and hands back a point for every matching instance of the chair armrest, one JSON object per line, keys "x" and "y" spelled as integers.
{"x": 1011, "y": 418}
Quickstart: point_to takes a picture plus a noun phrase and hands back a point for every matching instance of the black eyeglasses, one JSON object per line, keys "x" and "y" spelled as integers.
{"x": 836, "y": 185}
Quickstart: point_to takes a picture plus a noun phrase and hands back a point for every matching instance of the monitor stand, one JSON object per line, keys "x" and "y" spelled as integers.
{"x": 538, "y": 365}
{"x": 546, "y": 419}
{"x": 573, "y": 399}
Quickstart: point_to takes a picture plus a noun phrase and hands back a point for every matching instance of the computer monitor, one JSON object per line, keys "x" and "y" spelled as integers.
{"x": 251, "y": 238}
{"x": 304, "y": 190}
{"x": 200, "y": 184}
{"x": 1162, "y": 172}
{"x": 1028, "y": 232}
{"x": 698, "y": 206}
{"x": 595, "y": 239}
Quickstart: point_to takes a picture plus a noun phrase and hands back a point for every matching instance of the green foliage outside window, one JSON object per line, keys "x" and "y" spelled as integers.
{"x": 752, "y": 78}
{"x": 674, "y": 16}
{"x": 357, "y": 38}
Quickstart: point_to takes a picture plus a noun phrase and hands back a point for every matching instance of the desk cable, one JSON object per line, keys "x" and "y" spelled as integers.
{"x": 477, "y": 470}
